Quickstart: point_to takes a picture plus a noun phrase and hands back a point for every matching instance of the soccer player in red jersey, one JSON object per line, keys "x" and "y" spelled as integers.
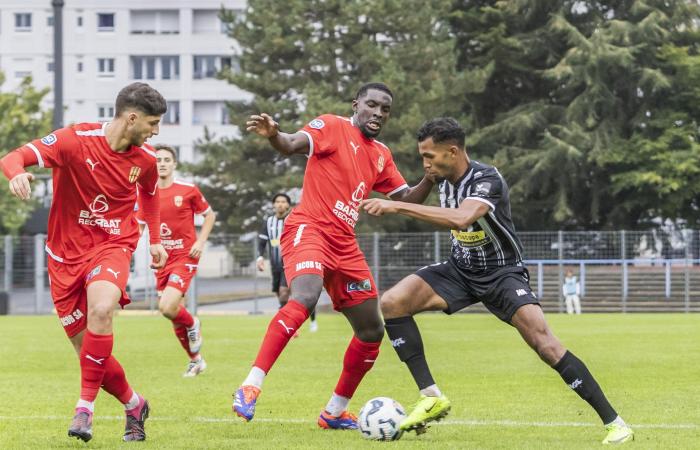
{"x": 345, "y": 163}
{"x": 179, "y": 203}
{"x": 92, "y": 233}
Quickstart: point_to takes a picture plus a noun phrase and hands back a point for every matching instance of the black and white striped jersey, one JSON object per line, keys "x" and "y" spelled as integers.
{"x": 489, "y": 243}
{"x": 271, "y": 234}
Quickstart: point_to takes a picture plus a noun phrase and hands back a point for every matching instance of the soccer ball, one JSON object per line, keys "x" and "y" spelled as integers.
{"x": 380, "y": 418}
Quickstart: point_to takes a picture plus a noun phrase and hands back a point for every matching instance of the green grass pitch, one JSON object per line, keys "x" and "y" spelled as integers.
{"x": 502, "y": 395}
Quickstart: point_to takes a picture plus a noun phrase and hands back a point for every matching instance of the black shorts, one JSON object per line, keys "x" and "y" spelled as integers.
{"x": 278, "y": 280}
{"x": 502, "y": 291}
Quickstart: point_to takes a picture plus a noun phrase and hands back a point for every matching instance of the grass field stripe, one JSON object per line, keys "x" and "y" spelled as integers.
{"x": 454, "y": 422}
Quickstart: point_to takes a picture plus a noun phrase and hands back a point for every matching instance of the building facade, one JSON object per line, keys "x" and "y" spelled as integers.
{"x": 176, "y": 46}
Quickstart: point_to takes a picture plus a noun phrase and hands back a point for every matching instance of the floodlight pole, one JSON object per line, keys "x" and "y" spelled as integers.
{"x": 57, "y": 63}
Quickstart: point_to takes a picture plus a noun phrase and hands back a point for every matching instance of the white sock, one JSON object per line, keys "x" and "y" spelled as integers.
{"x": 86, "y": 404}
{"x": 255, "y": 377}
{"x": 337, "y": 404}
{"x": 618, "y": 421}
{"x": 133, "y": 402}
{"x": 431, "y": 391}
{"x": 196, "y": 358}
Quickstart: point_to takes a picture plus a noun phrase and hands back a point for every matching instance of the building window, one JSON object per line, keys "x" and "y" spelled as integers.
{"x": 80, "y": 66}
{"x": 79, "y": 21}
{"x": 225, "y": 117}
{"x": 22, "y": 74}
{"x": 105, "y": 21}
{"x": 208, "y": 66}
{"x": 23, "y": 21}
{"x": 159, "y": 67}
{"x": 172, "y": 115}
{"x": 49, "y": 21}
{"x": 105, "y": 67}
{"x": 155, "y": 22}
{"x": 49, "y": 66}
{"x": 105, "y": 112}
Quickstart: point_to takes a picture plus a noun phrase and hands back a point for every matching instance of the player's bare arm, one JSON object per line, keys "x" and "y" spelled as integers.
{"x": 417, "y": 193}
{"x": 285, "y": 143}
{"x": 460, "y": 218}
{"x": 207, "y": 226}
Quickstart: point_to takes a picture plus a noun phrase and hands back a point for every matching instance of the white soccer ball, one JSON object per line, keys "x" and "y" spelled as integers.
{"x": 380, "y": 418}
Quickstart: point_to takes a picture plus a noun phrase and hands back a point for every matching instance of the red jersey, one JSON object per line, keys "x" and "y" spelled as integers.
{"x": 94, "y": 190}
{"x": 344, "y": 167}
{"x": 179, "y": 203}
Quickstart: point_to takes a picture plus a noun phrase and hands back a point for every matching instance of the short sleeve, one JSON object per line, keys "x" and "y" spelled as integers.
{"x": 199, "y": 203}
{"x": 51, "y": 149}
{"x": 322, "y": 132}
{"x": 487, "y": 189}
{"x": 390, "y": 180}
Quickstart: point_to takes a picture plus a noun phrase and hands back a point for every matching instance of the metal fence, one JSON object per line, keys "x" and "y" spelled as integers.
{"x": 656, "y": 270}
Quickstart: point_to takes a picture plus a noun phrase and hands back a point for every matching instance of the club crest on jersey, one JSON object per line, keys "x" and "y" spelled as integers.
{"x": 49, "y": 140}
{"x": 380, "y": 163}
{"x": 178, "y": 200}
{"x": 134, "y": 174}
{"x": 317, "y": 124}
{"x": 359, "y": 286}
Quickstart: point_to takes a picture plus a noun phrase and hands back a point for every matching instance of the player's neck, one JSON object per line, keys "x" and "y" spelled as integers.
{"x": 165, "y": 183}
{"x": 115, "y": 136}
{"x": 461, "y": 168}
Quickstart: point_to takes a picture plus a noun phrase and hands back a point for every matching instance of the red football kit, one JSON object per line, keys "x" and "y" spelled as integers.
{"x": 92, "y": 229}
{"x": 179, "y": 203}
{"x": 344, "y": 167}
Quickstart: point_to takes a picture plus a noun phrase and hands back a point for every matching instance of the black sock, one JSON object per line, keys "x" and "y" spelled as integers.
{"x": 313, "y": 315}
{"x": 575, "y": 374}
{"x": 405, "y": 338}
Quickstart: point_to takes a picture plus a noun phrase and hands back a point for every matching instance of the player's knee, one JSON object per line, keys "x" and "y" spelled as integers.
{"x": 391, "y": 304}
{"x": 371, "y": 334}
{"x": 100, "y": 312}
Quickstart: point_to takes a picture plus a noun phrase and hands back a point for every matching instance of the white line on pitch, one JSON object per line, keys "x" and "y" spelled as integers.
{"x": 454, "y": 422}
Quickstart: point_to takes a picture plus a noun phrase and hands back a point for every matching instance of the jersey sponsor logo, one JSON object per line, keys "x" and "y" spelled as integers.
{"x": 308, "y": 265}
{"x": 96, "y": 271}
{"x": 134, "y": 173}
{"x": 380, "y": 163}
{"x": 49, "y": 139}
{"x": 92, "y": 164}
{"x": 177, "y": 200}
{"x": 346, "y": 213}
{"x": 483, "y": 188}
{"x": 359, "y": 193}
{"x": 71, "y": 318}
{"x": 359, "y": 286}
{"x": 470, "y": 238}
{"x": 95, "y": 216}
{"x": 164, "y": 230}
{"x": 317, "y": 124}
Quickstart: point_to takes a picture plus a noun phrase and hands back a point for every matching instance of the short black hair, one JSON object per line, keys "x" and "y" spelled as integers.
{"x": 442, "y": 129}
{"x": 378, "y": 86}
{"x": 282, "y": 194}
{"x": 142, "y": 97}
{"x": 166, "y": 148}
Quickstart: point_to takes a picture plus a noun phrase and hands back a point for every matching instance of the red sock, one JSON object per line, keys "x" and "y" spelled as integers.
{"x": 183, "y": 318}
{"x": 281, "y": 329}
{"x": 359, "y": 358}
{"x": 114, "y": 381}
{"x": 96, "y": 350}
{"x": 181, "y": 333}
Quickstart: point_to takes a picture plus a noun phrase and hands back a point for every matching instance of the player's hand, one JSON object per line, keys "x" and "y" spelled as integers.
{"x": 20, "y": 187}
{"x": 158, "y": 256}
{"x": 263, "y": 125}
{"x": 260, "y": 263}
{"x": 196, "y": 250}
{"x": 378, "y": 206}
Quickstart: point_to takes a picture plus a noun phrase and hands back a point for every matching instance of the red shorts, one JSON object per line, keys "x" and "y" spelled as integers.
{"x": 69, "y": 284}
{"x": 178, "y": 273}
{"x": 306, "y": 249}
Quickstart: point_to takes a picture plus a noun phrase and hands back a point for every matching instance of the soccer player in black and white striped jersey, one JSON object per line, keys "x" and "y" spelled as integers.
{"x": 269, "y": 237}
{"x": 485, "y": 266}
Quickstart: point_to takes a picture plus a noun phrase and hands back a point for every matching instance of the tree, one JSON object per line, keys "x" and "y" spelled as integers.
{"x": 311, "y": 60}
{"x": 21, "y": 120}
{"x": 565, "y": 90}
